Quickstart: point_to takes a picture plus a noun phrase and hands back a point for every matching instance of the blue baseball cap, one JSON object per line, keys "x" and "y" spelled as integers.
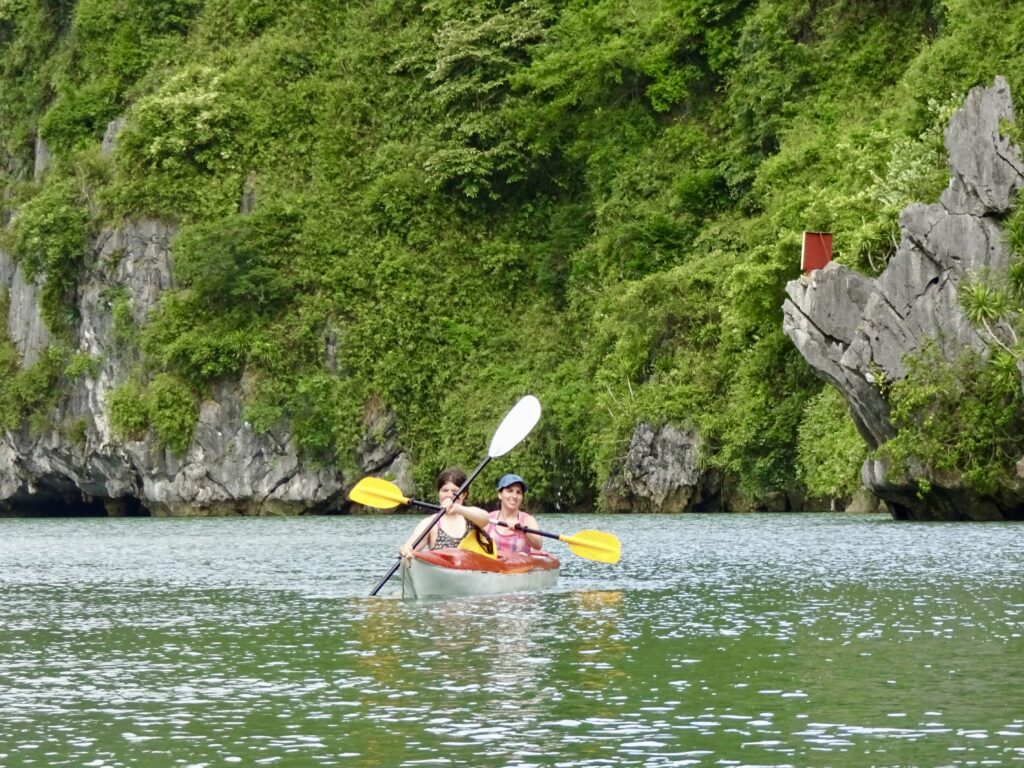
{"x": 510, "y": 479}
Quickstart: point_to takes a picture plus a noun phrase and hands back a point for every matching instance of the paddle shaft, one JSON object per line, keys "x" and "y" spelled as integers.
{"x": 593, "y": 545}
{"x": 428, "y": 505}
{"x": 465, "y": 485}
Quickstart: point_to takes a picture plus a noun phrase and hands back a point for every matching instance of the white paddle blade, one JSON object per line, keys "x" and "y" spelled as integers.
{"x": 516, "y": 425}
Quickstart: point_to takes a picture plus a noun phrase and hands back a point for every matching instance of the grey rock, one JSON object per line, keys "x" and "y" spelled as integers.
{"x": 43, "y": 158}
{"x": 864, "y": 502}
{"x": 25, "y": 324}
{"x": 110, "y": 135}
{"x": 856, "y": 332}
{"x": 250, "y": 195}
{"x": 661, "y": 472}
{"x": 229, "y": 469}
{"x": 986, "y": 166}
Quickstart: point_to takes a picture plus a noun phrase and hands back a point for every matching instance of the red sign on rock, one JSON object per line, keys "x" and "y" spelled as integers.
{"x": 816, "y": 251}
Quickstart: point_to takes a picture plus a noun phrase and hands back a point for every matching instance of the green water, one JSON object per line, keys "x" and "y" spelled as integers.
{"x": 760, "y": 640}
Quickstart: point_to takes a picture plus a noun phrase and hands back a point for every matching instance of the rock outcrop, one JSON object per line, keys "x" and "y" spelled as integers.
{"x": 661, "y": 472}
{"x": 25, "y": 324}
{"x": 856, "y": 332}
{"x": 227, "y": 468}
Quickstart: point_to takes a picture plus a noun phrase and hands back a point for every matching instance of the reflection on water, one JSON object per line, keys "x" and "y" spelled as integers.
{"x": 718, "y": 640}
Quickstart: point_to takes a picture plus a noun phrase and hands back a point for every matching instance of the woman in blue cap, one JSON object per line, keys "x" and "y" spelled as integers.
{"x": 505, "y": 524}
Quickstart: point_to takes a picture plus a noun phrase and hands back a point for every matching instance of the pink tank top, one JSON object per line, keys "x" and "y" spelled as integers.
{"x": 507, "y": 539}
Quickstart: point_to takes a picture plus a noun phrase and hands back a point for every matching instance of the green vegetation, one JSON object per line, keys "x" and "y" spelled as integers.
{"x": 128, "y": 415}
{"x": 167, "y": 405}
{"x": 966, "y": 419}
{"x": 28, "y": 395}
{"x": 450, "y": 205}
{"x": 50, "y": 236}
{"x": 830, "y": 450}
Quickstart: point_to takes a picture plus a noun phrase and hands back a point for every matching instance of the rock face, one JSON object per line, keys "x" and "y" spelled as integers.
{"x": 856, "y": 331}
{"x": 661, "y": 472}
{"x": 227, "y": 469}
{"x": 25, "y": 324}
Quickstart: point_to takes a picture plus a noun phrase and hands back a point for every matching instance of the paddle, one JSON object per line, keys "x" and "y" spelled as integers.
{"x": 591, "y": 545}
{"x": 516, "y": 425}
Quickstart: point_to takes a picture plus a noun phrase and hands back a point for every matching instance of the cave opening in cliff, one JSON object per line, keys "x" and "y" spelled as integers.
{"x": 57, "y": 496}
{"x": 899, "y": 512}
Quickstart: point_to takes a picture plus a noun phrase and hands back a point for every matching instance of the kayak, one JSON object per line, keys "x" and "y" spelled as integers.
{"x": 459, "y": 572}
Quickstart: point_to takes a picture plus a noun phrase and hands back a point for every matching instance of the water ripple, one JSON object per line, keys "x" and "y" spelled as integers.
{"x": 718, "y": 640}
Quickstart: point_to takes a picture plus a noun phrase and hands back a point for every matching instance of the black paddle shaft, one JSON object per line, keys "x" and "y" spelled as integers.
{"x": 428, "y": 505}
{"x": 465, "y": 485}
{"x": 524, "y": 529}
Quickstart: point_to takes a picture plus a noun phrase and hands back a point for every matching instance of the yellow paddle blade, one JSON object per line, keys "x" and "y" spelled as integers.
{"x": 472, "y": 542}
{"x": 594, "y": 545}
{"x": 378, "y": 493}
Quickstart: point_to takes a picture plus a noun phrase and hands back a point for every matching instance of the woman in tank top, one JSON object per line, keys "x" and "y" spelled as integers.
{"x": 452, "y": 528}
{"x": 505, "y": 524}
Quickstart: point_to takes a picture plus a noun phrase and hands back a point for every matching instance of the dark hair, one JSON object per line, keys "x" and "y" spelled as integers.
{"x": 454, "y": 475}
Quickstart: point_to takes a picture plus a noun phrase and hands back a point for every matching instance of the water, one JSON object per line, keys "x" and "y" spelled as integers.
{"x": 758, "y": 640}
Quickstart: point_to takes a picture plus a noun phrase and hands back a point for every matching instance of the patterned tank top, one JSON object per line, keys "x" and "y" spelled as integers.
{"x": 446, "y": 541}
{"x": 506, "y": 539}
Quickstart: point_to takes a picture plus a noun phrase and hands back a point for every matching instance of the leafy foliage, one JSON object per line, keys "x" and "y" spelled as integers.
{"x": 128, "y": 416}
{"x": 115, "y": 44}
{"x": 28, "y": 394}
{"x": 172, "y": 410}
{"x": 239, "y": 262}
{"x": 966, "y": 418}
{"x": 29, "y": 34}
{"x": 50, "y": 238}
{"x": 436, "y": 207}
{"x": 167, "y": 406}
{"x": 829, "y": 449}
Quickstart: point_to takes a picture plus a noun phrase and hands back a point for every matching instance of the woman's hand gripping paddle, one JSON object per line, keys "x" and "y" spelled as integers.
{"x": 380, "y": 494}
{"x": 516, "y": 425}
{"x": 591, "y": 545}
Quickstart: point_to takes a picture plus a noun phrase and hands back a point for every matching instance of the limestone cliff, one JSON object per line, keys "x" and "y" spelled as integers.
{"x": 856, "y": 332}
{"x": 227, "y": 469}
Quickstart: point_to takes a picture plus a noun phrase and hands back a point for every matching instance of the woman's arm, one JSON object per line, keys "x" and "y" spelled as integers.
{"x": 474, "y": 515}
{"x": 535, "y": 541}
{"x": 406, "y": 549}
